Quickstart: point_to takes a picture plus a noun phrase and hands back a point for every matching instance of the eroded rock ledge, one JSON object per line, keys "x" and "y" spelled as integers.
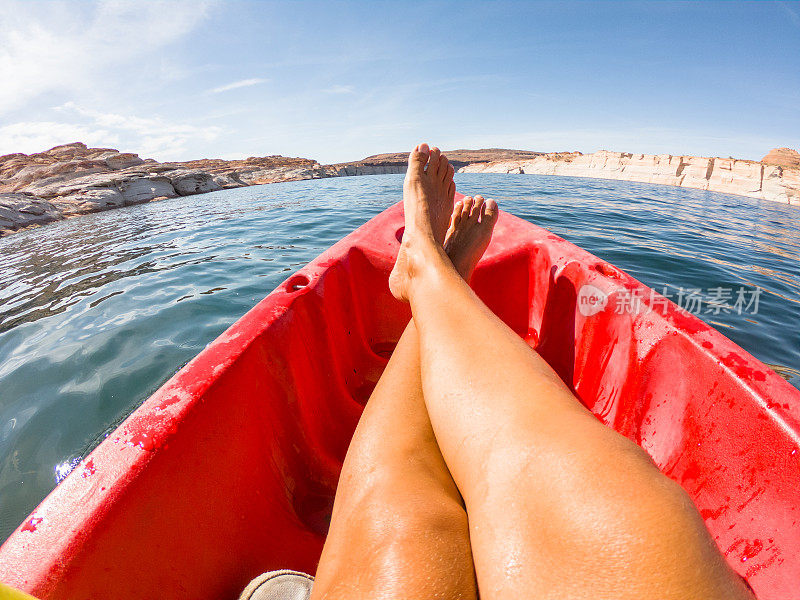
{"x": 72, "y": 179}
{"x": 774, "y": 178}
{"x": 395, "y": 162}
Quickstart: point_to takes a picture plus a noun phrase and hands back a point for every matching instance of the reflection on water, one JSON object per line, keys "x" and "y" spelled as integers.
{"x": 97, "y": 312}
{"x": 788, "y": 373}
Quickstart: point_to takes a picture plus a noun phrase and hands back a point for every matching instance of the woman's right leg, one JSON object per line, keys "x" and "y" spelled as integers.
{"x": 559, "y": 505}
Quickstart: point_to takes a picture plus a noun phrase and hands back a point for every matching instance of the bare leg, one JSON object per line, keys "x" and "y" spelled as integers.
{"x": 399, "y": 529}
{"x": 559, "y": 505}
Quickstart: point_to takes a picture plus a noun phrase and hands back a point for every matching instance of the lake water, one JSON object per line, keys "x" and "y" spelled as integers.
{"x": 97, "y": 312}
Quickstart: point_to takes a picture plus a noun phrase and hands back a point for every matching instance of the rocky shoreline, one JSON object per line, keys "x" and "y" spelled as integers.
{"x": 767, "y": 180}
{"x": 72, "y": 180}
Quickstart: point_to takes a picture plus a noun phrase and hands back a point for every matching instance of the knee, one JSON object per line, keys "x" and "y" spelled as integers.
{"x": 618, "y": 494}
{"x": 394, "y": 515}
{"x": 559, "y": 475}
{"x": 398, "y": 542}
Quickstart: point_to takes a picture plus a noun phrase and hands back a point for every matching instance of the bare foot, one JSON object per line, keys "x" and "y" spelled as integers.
{"x": 428, "y": 193}
{"x": 471, "y": 226}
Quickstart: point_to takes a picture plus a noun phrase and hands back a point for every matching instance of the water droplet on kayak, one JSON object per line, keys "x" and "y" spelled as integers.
{"x": 88, "y": 469}
{"x": 607, "y": 270}
{"x": 750, "y": 550}
{"x": 143, "y": 441}
{"x": 31, "y": 524}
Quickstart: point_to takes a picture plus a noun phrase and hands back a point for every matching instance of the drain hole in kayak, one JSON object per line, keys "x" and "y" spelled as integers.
{"x": 298, "y": 282}
{"x": 532, "y": 338}
{"x": 399, "y": 234}
{"x": 607, "y": 270}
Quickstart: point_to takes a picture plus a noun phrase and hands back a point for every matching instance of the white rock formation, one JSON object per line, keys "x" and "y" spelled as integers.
{"x": 740, "y": 177}
{"x": 352, "y": 170}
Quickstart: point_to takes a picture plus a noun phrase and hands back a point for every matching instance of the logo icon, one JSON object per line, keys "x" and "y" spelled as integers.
{"x": 591, "y": 300}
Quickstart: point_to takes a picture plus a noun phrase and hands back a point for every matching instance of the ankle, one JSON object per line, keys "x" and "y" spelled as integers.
{"x": 427, "y": 261}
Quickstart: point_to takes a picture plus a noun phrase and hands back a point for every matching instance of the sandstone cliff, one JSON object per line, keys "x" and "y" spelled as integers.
{"x": 395, "y": 162}
{"x": 728, "y": 175}
{"x": 72, "y": 179}
{"x": 783, "y": 157}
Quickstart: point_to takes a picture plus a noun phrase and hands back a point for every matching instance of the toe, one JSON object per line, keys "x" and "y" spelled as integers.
{"x": 456, "y": 217}
{"x": 477, "y": 207}
{"x": 451, "y": 191}
{"x": 466, "y": 207}
{"x": 449, "y": 172}
{"x": 444, "y": 167}
{"x": 491, "y": 210}
{"x": 433, "y": 162}
{"x": 418, "y": 157}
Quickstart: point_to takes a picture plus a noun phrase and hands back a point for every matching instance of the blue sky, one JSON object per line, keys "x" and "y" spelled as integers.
{"x": 337, "y": 81}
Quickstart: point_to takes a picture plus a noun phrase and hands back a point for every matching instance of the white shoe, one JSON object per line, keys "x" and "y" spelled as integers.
{"x": 279, "y": 585}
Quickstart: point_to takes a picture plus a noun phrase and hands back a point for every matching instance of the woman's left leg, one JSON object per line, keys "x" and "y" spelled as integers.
{"x": 399, "y": 529}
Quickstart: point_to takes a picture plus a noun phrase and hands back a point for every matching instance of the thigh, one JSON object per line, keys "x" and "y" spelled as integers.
{"x": 587, "y": 515}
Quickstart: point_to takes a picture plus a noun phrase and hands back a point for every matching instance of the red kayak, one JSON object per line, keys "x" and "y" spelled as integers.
{"x": 230, "y": 468}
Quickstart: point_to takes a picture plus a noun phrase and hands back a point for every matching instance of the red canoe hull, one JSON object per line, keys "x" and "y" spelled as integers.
{"x": 230, "y": 468}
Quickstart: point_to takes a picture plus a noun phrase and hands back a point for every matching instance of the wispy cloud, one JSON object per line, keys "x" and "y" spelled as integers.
{"x": 63, "y": 47}
{"x": 149, "y": 136}
{"x": 35, "y": 136}
{"x": 340, "y": 89}
{"x": 237, "y": 84}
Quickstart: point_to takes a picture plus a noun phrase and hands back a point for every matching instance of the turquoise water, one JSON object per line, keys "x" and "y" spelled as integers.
{"x": 97, "y": 312}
